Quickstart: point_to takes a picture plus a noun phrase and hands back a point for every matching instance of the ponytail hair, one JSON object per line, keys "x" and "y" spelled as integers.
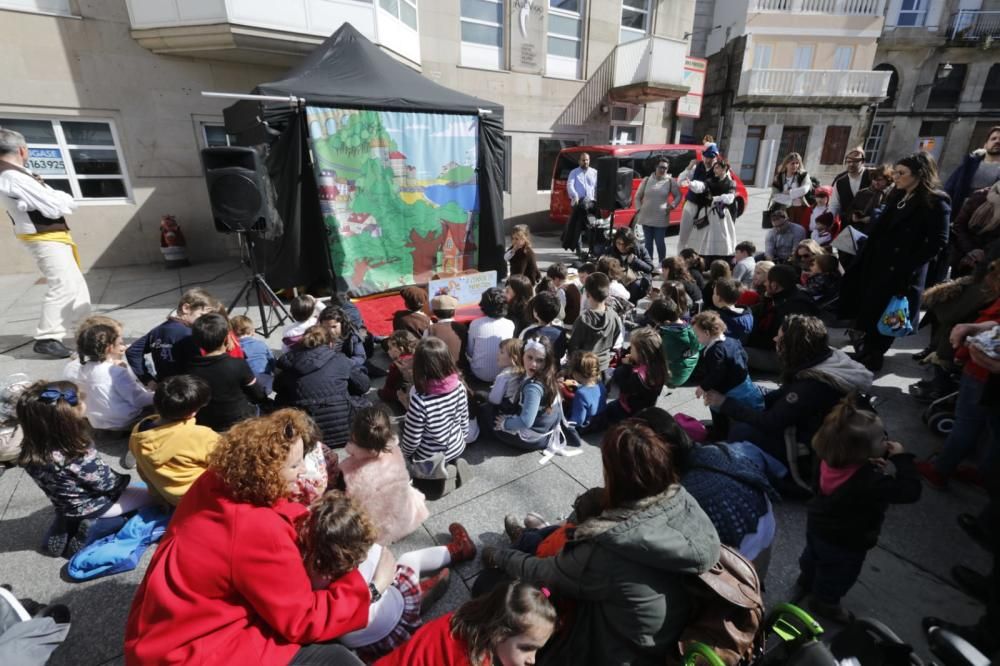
{"x": 508, "y": 610}
{"x": 849, "y": 435}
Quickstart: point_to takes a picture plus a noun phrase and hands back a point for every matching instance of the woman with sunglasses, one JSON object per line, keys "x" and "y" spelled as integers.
{"x": 805, "y": 252}
{"x": 655, "y": 199}
{"x": 227, "y": 582}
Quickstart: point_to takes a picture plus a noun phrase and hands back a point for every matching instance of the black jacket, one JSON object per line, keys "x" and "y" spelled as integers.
{"x": 851, "y": 517}
{"x": 770, "y": 313}
{"x": 722, "y": 367}
{"x": 894, "y": 259}
{"x": 325, "y": 384}
{"x": 638, "y": 260}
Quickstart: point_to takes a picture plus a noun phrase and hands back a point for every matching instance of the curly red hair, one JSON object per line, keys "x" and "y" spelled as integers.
{"x": 251, "y": 455}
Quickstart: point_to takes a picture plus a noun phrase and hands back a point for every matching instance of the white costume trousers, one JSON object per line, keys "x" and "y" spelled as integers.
{"x": 67, "y": 299}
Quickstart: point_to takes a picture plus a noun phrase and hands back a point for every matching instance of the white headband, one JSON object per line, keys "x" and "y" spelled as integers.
{"x": 535, "y": 345}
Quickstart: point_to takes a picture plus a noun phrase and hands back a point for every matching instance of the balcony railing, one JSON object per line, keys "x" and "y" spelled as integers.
{"x": 814, "y": 83}
{"x": 972, "y": 27}
{"x": 839, "y": 7}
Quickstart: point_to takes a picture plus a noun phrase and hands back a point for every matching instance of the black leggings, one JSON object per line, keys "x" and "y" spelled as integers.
{"x": 326, "y": 654}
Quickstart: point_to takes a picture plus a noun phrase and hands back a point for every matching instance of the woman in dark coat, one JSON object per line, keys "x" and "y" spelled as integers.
{"x": 976, "y": 226}
{"x": 323, "y": 382}
{"x": 911, "y": 231}
{"x": 635, "y": 260}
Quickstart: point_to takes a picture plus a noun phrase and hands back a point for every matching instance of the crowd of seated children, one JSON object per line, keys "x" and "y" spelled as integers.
{"x": 744, "y": 263}
{"x": 259, "y": 356}
{"x": 738, "y": 321}
{"x": 412, "y": 318}
{"x": 568, "y": 292}
{"x": 170, "y": 448}
{"x": 545, "y": 308}
{"x": 454, "y": 334}
{"x": 486, "y": 333}
{"x": 520, "y": 256}
{"x": 675, "y": 269}
{"x": 304, "y": 315}
{"x": 436, "y": 426}
{"x": 169, "y": 343}
{"x": 344, "y": 334}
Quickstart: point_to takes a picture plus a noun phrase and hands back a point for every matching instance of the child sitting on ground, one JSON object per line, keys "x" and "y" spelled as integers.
{"x": 71, "y": 372}
{"x": 823, "y": 280}
{"x": 639, "y": 377}
{"x": 508, "y": 627}
{"x": 344, "y": 334}
{"x": 824, "y": 229}
{"x": 677, "y": 340}
{"x": 613, "y": 269}
{"x": 507, "y": 386}
{"x": 234, "y": 388}
{"x": 116, "y": 399}
{"x": 58, "y": 453}
{"x": 258, "y": 355}
{"x": 454, "y": 334}
{"x": 723, "y": 367}
{"x": 598, "y": 329}
{"x": 744, "y": 262}
{"x": 399, "y": 346}
{"x": 375, "y": 476}
{"x": 545, "y": 307}
{"x": 336, "y": 537}
{"x": 717, "y": 270}
{"x": 437, "y": 420}
{"x": 412, "y": 318}
{"x": 520, "y": 255}
{"x": 589, "y": 392}
{"x": 861, "y": 472}
{"x": 486, "y": 333}
{"x": 171, "y": 450}
{"x": 303, "y": 311}
{"x": 567, "y": 292}
{"x": 169, "y": 344}
{"x": 738, "y": 321}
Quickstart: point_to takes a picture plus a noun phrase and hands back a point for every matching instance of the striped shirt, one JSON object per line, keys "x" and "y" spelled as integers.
{"x": 483, "y": 348}
{"x": 435, "y": 424}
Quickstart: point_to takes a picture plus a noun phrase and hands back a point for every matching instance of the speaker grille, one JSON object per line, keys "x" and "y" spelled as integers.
{"x": 235, "y": 198}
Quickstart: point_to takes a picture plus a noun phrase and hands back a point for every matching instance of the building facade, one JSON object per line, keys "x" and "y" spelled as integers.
{"x": 791, "y": 76}
{"x": 943, "y": 57}
{"x": 109, "y": 93}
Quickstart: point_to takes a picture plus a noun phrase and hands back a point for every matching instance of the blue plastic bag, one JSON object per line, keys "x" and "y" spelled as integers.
{"x": 895, "y": 320}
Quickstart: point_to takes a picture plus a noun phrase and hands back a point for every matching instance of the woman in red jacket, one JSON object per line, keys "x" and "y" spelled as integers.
{"x": 227, "y": 583}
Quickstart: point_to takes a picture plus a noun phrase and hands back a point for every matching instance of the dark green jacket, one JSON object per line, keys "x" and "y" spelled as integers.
{"x": 680, "y": 348}
{"x": 624, "y": 569}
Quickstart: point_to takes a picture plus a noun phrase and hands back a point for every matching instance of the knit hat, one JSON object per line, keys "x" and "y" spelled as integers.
{"x": 444, "y": 302}
{"x": 710, "y": 150}
{"x": 825, "y": 190}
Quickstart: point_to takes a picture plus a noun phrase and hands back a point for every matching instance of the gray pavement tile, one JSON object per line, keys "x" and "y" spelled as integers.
{"x": 548, "y": 491}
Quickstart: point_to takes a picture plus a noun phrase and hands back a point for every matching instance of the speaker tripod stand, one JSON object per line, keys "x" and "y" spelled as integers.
{"x": 256, "y": 284}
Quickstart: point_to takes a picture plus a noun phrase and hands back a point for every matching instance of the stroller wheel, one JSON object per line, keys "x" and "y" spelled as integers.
{"x": 941, "y": 423}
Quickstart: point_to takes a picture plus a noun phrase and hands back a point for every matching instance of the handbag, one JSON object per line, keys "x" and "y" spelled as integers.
{"x": 895, "y": 320}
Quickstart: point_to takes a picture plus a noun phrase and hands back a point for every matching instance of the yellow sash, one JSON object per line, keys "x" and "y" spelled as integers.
{"x": 53, "y": 237}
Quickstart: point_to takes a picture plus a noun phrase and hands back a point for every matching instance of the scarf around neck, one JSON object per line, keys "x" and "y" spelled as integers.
{"x": 442, "y": 386}
{"x": 987, "y": 216}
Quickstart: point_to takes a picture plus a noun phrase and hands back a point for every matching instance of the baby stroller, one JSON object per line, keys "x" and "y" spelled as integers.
{"x": 793, "y": 638}
{"x": 939, "y": 415}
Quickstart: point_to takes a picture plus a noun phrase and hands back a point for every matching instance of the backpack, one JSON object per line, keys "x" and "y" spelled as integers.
{"x": 727, "y": 610}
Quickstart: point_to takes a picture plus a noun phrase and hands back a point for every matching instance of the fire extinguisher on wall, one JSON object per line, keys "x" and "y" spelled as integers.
{"x": 172, "y": 243}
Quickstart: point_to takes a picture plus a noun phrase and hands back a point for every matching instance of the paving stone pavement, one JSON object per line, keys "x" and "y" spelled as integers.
{"x": 905, "y": 577}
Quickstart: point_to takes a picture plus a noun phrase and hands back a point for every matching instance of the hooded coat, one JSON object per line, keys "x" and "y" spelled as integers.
{"x": 171, "y": 456}
{"x": 322, "y": 382}
{"x": 597, "y": 332}
{"x": 625, "y": 569}
{"x": 804, "y": 401}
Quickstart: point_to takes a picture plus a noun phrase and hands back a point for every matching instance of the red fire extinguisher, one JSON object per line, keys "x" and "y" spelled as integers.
{"x": 172, "y": 243}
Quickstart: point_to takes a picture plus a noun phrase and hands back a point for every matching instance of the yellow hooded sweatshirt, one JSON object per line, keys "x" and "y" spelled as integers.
{"x": 170, "y": 457}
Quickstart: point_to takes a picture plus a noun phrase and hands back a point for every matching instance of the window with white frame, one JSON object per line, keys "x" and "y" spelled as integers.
{"x": 803, "y": 57}
{"x": 78, "y": 156}
{"x": 912, "y": 13}
{"x": 873, "y": 144}
{"x": 635, "y": 20}
{"x": 843, "y": 57}
{"x": 626, "y": 124}
{"x": 404, "y": 10}
{"x": 482, "y": 33}
{"x": 56, "y": 7}
{"x": 762, "y": 56}
{"x": 565, "y": 39}
{"x": 214, "y": 135}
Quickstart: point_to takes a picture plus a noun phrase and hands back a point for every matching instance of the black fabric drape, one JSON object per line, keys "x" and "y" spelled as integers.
{"x": 490, "y": 176}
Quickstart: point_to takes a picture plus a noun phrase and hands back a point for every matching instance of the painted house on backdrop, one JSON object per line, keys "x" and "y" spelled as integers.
{"x": 568, "y": 72}
{"x": 791, "y": 76}
{"x": 943, "y": 59}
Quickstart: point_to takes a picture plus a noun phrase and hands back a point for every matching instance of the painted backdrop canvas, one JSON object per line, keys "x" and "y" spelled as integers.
{"x": 398, "y": 193}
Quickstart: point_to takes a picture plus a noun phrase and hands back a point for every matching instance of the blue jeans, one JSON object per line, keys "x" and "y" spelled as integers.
{"x": 970, "y": 420}
{"x": 660, "y": 235}
{"x": 829, "y": 570}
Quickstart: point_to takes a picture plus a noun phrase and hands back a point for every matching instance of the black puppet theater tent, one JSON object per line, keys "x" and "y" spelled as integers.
{"x": 348, "y": 73}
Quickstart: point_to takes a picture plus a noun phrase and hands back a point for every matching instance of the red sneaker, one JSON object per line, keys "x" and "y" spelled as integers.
{"x": 461, "y": 548}
{"x": 934, "y": 478}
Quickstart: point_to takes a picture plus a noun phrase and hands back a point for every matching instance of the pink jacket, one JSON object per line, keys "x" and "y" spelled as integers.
{"x": 382, "y": 486}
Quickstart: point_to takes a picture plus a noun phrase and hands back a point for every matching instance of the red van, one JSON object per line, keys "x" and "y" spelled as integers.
{"x": 640, "y": 157}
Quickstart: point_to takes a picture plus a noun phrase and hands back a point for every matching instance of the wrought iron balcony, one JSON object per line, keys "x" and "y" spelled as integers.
{"x": 974, "y": 27}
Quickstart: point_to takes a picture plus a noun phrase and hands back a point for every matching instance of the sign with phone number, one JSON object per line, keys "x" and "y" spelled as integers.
{"x": 46, "y": 161}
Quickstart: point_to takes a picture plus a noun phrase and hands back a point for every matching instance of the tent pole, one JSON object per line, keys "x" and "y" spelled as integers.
{"x": 291, "y": 99}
